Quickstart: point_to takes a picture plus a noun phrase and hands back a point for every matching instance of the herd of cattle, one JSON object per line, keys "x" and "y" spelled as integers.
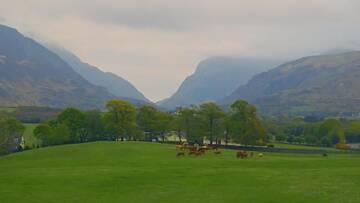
{"x": 197, "y": 150}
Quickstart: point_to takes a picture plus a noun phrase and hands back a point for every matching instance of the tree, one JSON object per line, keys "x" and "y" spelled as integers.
{"x": 246, "y": 126}
{"x": 331, "y": 131}
{"x": 52, "y": 134}
{"x": 94, "y": 125}
{"x": 147, "y": 120}
{"x": 190, "y": 125}
{"x": 352, "y": 131}
{"x": 74, "y": 119}
{"x": 227, "y": 126}
{"x": 163, "y": 124}
{"x": 44, "y": 132}
{"x": 11, "y": 131}
{"x": 212, "y": 116}
{"x": 61, "y": 134}
{"x": 120, "y": 119}
{"x": 176, "y": 124}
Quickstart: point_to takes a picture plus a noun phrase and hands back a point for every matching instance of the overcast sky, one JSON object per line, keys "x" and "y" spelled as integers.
{"x": 155, "y": 44}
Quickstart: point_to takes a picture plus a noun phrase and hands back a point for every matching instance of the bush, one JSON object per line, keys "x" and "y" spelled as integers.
{"x": 270, "y": 146}
{"x": 342, "y": 146}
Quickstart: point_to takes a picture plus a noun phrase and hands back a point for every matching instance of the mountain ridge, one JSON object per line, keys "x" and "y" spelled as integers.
{"x": 320, "y": 83}
{"x": 215, "y": 78}
{"x": 115, "y": 84}
{"x": 32, "y": 75}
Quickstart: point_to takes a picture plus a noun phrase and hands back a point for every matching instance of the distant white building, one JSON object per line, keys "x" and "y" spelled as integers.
{"x": 354, "y": 145}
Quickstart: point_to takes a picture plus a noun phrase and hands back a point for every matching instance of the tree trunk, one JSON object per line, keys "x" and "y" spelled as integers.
{"x": 226, "y": 138}
{"x": 179, "y": 135}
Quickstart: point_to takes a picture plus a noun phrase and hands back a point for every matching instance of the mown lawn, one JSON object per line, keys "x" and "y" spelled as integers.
{"x": 133, "y": 172}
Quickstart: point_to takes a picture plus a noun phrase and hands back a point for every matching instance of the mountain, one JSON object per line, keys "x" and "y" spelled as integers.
{"x": 324, "y": 83}
{"x": 113, "y": 83}
{"x": 31, "y": 75}
{"x": 215, "y": 78}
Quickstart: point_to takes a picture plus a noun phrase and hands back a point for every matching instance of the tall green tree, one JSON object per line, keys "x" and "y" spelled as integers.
{"x": 352, "y": 131}
{"x": 61, "y": 134}
{"x": 190, "y": 124}
{"x": 331, "y": 132}
{"x": 228, "y": 129}
{"x": 212, "y": 117}
{"x": 11, "y": 131}
{"x": 54, "y": 134}
{"x": 94, "y": 126}
{"x": 74, "y": 119}
{"x": 246, "y": 126}
{"x": 120, "y": 119}
{"x": 147, "y": 119}
{"x": 44, "y": 133}
{"x": 176, "y": 124}
{"x": 164, "y": 121}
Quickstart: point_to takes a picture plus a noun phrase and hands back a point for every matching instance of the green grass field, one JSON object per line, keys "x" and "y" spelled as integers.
{"x": 28, "y": 136}
{"x": 132, "y": 172}
{"x": 293, "y": 146}
{"x": 7, "y": 109}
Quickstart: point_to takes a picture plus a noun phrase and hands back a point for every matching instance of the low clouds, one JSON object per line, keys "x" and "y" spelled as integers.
{"x": 156, "y": 44}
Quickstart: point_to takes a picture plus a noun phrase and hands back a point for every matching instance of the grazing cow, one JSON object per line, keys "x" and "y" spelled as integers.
{"x": 242, "y": 154}
{"x": 195, "y": 152}
{"x": 180, "y": 154}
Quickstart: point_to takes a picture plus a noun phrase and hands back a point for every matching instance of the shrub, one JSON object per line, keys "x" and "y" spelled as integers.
{"x": 342, "y": 146}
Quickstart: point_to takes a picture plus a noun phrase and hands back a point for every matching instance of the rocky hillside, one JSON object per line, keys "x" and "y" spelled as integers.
{"x": 116, "y": 85}
{"x": 31, "y": 75}
{"x": 324, "y": 83}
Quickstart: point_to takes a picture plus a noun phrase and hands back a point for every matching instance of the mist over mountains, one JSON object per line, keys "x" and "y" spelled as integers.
{"x": 32, "y": 75}
{"x": 116, "y": 85}
{"x": 214, "y": 79}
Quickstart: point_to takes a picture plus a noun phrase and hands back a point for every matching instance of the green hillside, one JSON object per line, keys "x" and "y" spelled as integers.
{"x": 31, "y": 75}
{"x": 146, "y": 172}
{"x": 323, "y": 84}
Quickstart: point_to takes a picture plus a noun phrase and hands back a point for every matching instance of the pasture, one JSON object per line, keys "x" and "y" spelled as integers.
{"x": 7, "y": 109}
{"x": 149, "y": 172}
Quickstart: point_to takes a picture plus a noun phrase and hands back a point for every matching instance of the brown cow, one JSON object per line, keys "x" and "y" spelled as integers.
{"x": 195, "y": 152}
{"x": 242, "y": 154}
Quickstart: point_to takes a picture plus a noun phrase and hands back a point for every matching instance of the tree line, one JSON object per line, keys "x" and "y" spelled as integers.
{"x": 324, "y": 132}
{"x": 123, "y": 121}
{"x": 206, "y": 122}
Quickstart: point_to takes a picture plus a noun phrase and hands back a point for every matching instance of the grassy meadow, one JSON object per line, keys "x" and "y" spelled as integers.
{"x": 7, "y": 109}
{"x": 149, "y": 172}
